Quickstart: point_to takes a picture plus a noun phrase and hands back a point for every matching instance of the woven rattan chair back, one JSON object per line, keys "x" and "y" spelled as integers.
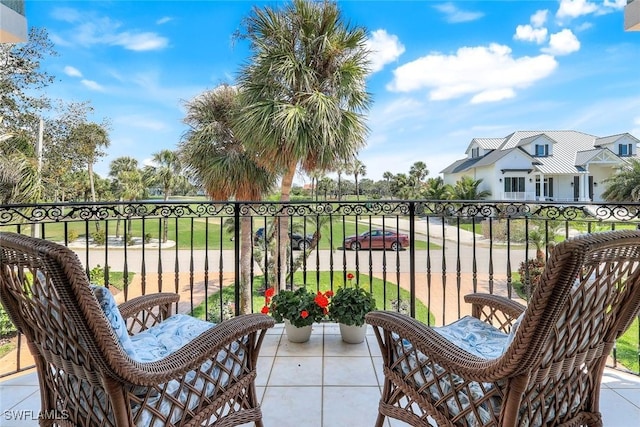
{"x": 87, "y": 379}
{"x": 550, "y": 373}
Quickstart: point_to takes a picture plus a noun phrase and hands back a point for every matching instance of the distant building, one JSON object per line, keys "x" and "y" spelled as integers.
{"x": 632, "y": 15}
{"x": 13, "y": 22}
{"x": 543, "y": 165}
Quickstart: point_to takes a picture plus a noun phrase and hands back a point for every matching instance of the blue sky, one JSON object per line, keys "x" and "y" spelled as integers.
{"x": 444, "y": 72}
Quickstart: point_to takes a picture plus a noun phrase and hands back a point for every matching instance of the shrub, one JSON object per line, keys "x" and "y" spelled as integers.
{"x": 99, "y": 237}
{"x": 7, "y": 327}
{"x": 530, "y": 272}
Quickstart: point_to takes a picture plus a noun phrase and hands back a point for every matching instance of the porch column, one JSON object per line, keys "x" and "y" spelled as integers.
{"x": 584, "y": 187}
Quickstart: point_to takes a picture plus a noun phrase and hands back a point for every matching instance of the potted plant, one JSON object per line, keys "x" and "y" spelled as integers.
{"x": 348, "y": 307}
{"x": 298, "y": 308}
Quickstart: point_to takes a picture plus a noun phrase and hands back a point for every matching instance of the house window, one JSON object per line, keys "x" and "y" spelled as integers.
{"x": 475, "y": 152}
{"x": 542, "y": 150}
{"x": 625, "y": 150}
{"x": 514, "y": 184}
{"x": 547, "y": 188}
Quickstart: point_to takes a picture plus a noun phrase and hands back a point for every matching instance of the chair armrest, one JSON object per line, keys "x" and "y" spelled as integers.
{"x": 402, "y": 338}
{"x": 498, "y": 311}
{"x": 143, "y": 312}
{"x": 247, "y": 331}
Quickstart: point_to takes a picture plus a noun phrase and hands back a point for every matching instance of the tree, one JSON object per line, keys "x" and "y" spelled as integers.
{"x": 466, "y": 188}
{"x": 418, "y": 172}
{"x": 624, "y": 185}
{"x": 117, "y": 169}
{"x": 22, "y": 82}
{"x": 357, "y": 168}
{"x": 303, "y": 91}
{"x": 388, "y": 176}
{"x": 436, "y": 189}
{"x": 19, "y": 181}
{"x": 166, "y": 172}
{"x": 88, "y": 140}
{"x": 216, "y": 158}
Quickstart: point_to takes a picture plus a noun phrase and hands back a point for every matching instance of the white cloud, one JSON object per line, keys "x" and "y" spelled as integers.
{"x": 385, "y": 48}
{"x": 529, "y": 34}
{"x": 164, "y": 20}
{"x": 140, "y": 41}
{"x": 454, "y": 15}
{"x": 142, "y": 122}
{"x": 575, "y": 8}
{"x": 93, "y": 30}
{"x": 562, "y": 43}
{"x": 487, "y": 73}
{"x": 539, "y": 18}
{"x": 92, "y": 85}
{"x": 72, "y": 71}
{"x": 570, "y": 9}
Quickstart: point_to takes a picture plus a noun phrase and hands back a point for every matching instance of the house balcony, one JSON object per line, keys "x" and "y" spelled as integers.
{"x": 632, "y": 15}
{"x": 13, "y": 23}
{"x": 455, "y": 248}
{"x": 324, "y": 382}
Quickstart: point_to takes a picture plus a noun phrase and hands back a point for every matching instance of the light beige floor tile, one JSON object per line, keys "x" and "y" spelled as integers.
{"x": 270, "y": 345}
{"x": 632, "y": 395}
{"x": 349, "y": 371}
{"x": 23, "y": 413}
{"x": 264, "y": 370}
{"x": 617, "y": 411}
{"x": 358, "y": 406}
{"x": 278, "y": 329}
{"x": 296, "y": 371}
{"x": 331, "y": 329}
{"x": 28, "y": 378}
{"x": 15, "y": 395}
{"x": 374, "y": 348}
{"x": 313, "y": 347}
{"x": 377, "y": 366}
{"x": 618, "y": 379}
{"x": 334, "y": 346}
{"x": 292, "y": 407}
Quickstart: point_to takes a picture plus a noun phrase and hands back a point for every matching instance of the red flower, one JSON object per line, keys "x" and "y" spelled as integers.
{"x": 328, "y": 294}
{"x": 265, "y": 310}
{"x": 269, "y": 292}
{"x": 321, "y": 300}
{"x": 304, "y": 314}
{"x": 350, "y": 276}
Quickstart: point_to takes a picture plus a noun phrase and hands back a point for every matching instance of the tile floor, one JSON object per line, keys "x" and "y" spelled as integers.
{"x": 322, "y": 383}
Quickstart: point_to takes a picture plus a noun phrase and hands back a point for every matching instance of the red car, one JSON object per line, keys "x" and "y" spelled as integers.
{"x": 377, "y": 239}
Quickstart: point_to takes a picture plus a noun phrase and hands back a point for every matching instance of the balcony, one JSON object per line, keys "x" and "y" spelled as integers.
{"x": 456, "y": 247}
{"x": 13, "y": 24}
{"x": 632, "y": 15}
{"x": 324, "y": 382}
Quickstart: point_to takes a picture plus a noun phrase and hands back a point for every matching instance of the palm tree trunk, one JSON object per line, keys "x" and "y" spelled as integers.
{"x": 165, "y": 221}
{"x": 283, "y": 227}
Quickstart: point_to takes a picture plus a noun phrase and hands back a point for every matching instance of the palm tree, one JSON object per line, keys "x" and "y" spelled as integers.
{"x": 466, "y": 188}
{"x": 436, "y": 189}
{"x": 624, "y": 185}
{"x": 117, "y": 167}
{"x": 357, "y": 168}
{"x": 418, "y": 172}
{"x": 215, "y": 157}
{"x": 303, "y": 91}
{"x": 388, "y": 176}
{"x": 88, "y": 139}
{"x": 166, "y": 171}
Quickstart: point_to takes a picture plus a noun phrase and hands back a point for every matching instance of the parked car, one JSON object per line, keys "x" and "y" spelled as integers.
{"x": 386, "y": 239}
{"x": 298, "y": 241}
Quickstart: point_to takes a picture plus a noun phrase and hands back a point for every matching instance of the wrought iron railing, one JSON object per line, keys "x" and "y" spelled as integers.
{"x": 456, "y": 247}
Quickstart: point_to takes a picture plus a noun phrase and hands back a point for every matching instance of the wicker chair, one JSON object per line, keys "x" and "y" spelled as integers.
{"x": 508, "y": 364}
{"x": 87, "y": 376}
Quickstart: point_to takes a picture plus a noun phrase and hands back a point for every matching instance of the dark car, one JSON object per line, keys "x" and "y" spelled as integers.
{"x": 298, "y": 241}
{"x": 386, "y": 239}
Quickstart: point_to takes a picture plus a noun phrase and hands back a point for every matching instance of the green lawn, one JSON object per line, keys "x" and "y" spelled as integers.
{"x": 383, "y": 293}
{"x": 195, "y": 230}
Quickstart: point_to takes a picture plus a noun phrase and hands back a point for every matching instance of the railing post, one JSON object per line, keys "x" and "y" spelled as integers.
{"x": 412, "y": 257}
{"x": 236, "y": 252}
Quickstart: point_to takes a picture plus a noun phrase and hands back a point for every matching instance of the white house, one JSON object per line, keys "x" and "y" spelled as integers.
{"x": 544, "y": 165}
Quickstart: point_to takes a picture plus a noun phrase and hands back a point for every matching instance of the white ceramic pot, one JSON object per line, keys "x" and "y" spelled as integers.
{"x": 353, "y": 334}
{"x": 296, "y": 334}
